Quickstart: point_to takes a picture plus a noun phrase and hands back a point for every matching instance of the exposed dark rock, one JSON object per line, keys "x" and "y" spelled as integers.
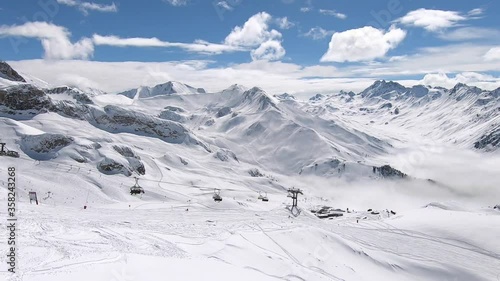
{"x": 491, "y": 140}
{"x": 285, "y": 96}
{"x": 317, "y": 97}
{"x": 70, "y": 109}
{"x": 120, "y": 120}
{"x": 223, "y": 112}
{"x": 263, "y": 100}
{"x": 46, "y": 143}
{"x": 255, "y": 173}
{"x": 172, "y": 116}
{"x": 111, "y": 167}
{"x": 9, "y": 73}
{"x": 137, "y": 165}
{"x": 387, "y": 171}
{"x": 24, "y": 97}
{"x": 125, "y": 151}
{"x": 224, "y": 155}
{"x": 183, "y": 161}
{"x": 386, "y": 105}
{"x": 75, "y": 93}
{"x": 209, "y": 122}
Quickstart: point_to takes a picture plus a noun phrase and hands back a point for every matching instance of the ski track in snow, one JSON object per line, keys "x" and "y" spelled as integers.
{"x": 72, "y": 239}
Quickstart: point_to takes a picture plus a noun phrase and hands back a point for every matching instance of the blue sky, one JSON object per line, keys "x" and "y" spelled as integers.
{"x": 308, "y": 42}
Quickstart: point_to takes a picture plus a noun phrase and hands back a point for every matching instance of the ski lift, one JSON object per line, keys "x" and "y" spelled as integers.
{"x": 263, "y": 198}
{"x": 136, "y": 189}
{"x": 260, "y": 196}
{"x": 217, "y": 198}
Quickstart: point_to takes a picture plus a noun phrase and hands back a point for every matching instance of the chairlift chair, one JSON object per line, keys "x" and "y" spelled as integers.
{"x": 217, "y": 198}
{"x": 264, "y": 198}
{"x": 136, "y": 189}
{"x": 260, "y": 196}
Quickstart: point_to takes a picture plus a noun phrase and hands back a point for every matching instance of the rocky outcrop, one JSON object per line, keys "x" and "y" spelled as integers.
{"x": 387, "y": 171}
{"x": 24, "y": 98}
{"x": 223, "y": 112}
{"x": 490, "y": 140}
{"x": 8, "y": 73}
{"x": 78, "y": 95}
{"x": 255, "y": 173}
{"x": 317, "y": 97}
{"x": 44, "y": 146}
{"x": 111, "y": 167}
{"x": 120, "y": 120}
{"x": 133, "y": 159}
{"x": 224, "y": 155}
{"x": 172, "y": 115}
{"x": 71, "y": 109}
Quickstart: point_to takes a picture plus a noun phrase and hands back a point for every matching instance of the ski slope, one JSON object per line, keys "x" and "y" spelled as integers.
{"x": 158, "y": 240}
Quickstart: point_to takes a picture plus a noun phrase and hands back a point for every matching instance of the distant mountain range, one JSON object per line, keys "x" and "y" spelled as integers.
{"x": 337, "y": 135}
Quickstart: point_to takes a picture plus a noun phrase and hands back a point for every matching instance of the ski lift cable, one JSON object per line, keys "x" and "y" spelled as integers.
{"x": 76, "y": 169}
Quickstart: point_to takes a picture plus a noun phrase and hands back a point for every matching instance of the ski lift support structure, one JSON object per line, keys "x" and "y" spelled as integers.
{"x": 294, "y": 194}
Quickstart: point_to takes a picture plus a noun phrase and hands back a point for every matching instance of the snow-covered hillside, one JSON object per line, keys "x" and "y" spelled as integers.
{"x": 405, "y": 179}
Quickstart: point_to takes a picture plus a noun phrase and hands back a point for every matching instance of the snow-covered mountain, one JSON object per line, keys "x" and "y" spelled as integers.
{"x": 372, "y": 164}
{"x": 169, "y": 88}
{"x": 462, "y": 115}
{"x": 6, "y": 72}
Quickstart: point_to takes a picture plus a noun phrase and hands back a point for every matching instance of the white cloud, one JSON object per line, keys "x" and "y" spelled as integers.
{"x": 254, "y": 32}
{"x": 471, "y": 78}
{"x": 199, "y": 46}
{"x": 284, "y": 23}
{"x": 476, "y": 12}
{"x": 177, "y": 3}
{"x": 318, "y": 33}
{"x": 55, "y": 40}
{"x": 455, "y": 58}
{"x": 470, "y": 33}
{"x": 362, "y": 44}
{"x": 269, "y": 50}
{"x": 127, "y": 42}
{"x": 432, "y": 20}
{"x": 305, "y": 9}
{"x": 333, "y": 13}
{"x": 85, "y": 7}
{"x": 224, "y": 5}
{"x": 492, "y": 54}
{"x": 274, "y": 77}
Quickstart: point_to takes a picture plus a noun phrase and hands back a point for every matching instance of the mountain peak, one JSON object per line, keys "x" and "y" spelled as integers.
{"x": 381, "y": 88}
{"x": 7, "y": 72}
{"x": 285, "y": 96}
{"x": 167, "y": 88}
{"x": 461, "y": 88}
{"x": 235, "y": 88}
{"x": 317, "y": 97}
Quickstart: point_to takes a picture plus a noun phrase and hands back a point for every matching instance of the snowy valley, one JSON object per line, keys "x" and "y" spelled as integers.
{"x": 399, "y": 183}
